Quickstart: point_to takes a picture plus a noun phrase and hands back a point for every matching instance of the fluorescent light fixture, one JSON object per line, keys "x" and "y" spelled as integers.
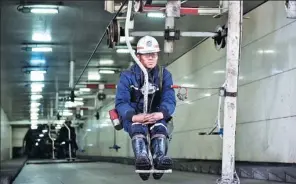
{"x": 84, "y": 90}
{"x": 41, "y": 37}
{"x": 79, "y": 99}
{"x": 266, "y": 51}
{"x": 122, "y": 39}
{"x": 34, "y": 122}
{"x": 36, "y": 87}
{"x": 71, "y": 104}
{"x": 41, "y": 135}
{"x": 37, "y": 75}
{"x": 34, "y": 127}
{"x": 44, "y": 131}
{"x": 207, "y": 94}
{"x": 44, "y": 10}
{"x": 41, "y": 49}
{"x": 155, "y": 15}
{"x": 34, "y": 118}
{"x": 219, "y": 71}
{"x": 106, "y": 71}
{"x": 106, "y": 62}
{"x": 37, "y": 61}
{"x": 122, "y": 51}
{"x": 36, "y": 97}
{"x": 94, "y": 75}
{"x": 67, "y": 114}
{"x": 35, "y": 104}
{"x": 38, "y": 140}
{"x": 34, "y": 110}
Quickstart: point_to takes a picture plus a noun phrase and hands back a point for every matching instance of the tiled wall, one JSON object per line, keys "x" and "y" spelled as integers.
{"x": 266, "y": 102}
{"x": 5, "y": 137}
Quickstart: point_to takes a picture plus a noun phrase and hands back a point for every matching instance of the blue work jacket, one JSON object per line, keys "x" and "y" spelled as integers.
{"x": 129, "y": 101}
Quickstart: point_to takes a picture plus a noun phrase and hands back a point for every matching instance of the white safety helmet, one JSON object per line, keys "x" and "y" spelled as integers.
{"x": 147, "y": 44}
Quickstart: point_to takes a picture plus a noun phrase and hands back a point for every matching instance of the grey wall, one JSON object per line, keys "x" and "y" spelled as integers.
{"x": 266, "y": 102}
{"x": 5, "y": 137}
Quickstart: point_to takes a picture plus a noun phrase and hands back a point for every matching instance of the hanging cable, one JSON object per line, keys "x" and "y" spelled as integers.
{"x": 99, "y": 43}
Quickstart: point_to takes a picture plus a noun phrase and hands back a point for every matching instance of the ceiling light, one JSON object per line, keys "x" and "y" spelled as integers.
{"x": 44, "y": 10}
{"x": 34, "y": 110}
{"x": 107, "y": 71}
{"x": 34, "y": 118}
{"x": 123, "y": 51}
{"x": 155, "y": 15}
{"x": 219, "y": 71}
{"x": 38, "y": 140}
{"x": 34, "y": 127}
{"x": 266, "y": 51}
{"x": 34, "y": 114}
{"x": 36, "y": 97}
{"x": 67, "y": 114}
{"x": 122, "y": 39}
{"x": 37, "y": 75}
{"x": 41, "y": 37}
{"x": 35, "y": 104}
{"x": 94, "y": 75}
{"x": 106, "y": 62}
{"x": 37, "y": 61}
{"x": 41, "y": 49}
{"x": 44, "y": 131}
{"x": 36, "y": 87}
{"x": 41, "y": 135}
{"x": 34, "y": 122}
{"x": 36, "y": 144}
{"x": 207, "y": 94}
{"x": 84, "y": 90}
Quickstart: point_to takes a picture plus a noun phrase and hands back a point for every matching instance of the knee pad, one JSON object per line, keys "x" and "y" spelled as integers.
{"x": 138, "y": 129}
{"x": 159, "y": 128}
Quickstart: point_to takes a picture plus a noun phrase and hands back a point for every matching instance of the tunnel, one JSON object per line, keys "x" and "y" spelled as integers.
{"x": 148, "y": 91}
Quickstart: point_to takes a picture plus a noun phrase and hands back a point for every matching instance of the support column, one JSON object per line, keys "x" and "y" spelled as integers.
{"x": 230, "y": 107}
{"x": 291, "y": 9}
{"x": 172, "y": 10}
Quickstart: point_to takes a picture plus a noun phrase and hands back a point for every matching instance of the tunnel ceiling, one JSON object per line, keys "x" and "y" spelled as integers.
{"x": 74, "y": 32}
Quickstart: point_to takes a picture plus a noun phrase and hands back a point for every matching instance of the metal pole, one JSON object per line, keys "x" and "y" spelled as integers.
{"x": 52, "y": 140}
{"x": 232, "y": 65}
{"x": 71, "y": 80}
{"x": 172, "y": 10}
{"x": 184, "y": 33}
{"x": 69, "y": 136}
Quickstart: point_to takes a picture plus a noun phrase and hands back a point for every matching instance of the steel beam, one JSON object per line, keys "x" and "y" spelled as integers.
{"x": 184, "y": 34}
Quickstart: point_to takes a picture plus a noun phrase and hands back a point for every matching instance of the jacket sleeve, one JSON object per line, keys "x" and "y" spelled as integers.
{"x": 168, "y": 98}
{"x": 123, "y": 98}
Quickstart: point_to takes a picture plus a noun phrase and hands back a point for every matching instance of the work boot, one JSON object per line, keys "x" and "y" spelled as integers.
{"x": 142, "y": 161}
{"x": 159, "y": 151}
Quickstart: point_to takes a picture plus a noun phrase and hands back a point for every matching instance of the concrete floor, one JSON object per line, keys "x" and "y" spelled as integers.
{"x": 106, "y": 173}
